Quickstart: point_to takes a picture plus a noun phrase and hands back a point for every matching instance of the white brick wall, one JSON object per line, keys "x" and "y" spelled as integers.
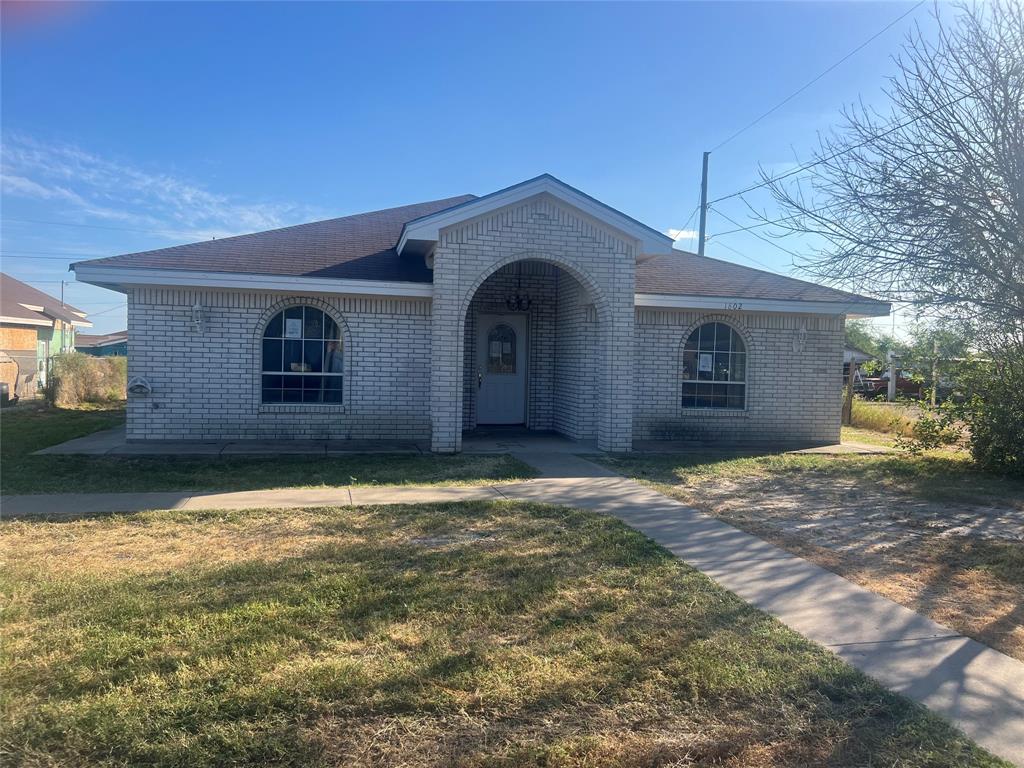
{"x": 539, "y": 229}
{"x": 794, "y": 387}
{"x": 206, "y": 384}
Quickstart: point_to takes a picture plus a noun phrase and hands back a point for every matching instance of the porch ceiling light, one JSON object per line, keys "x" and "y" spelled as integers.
{"x": 519, "y": 302}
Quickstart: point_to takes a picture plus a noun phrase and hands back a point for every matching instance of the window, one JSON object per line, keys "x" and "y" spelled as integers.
{"x": 501, "y": 350}
{"x": 714, "y": 368}
{"x": 303, "y": 360}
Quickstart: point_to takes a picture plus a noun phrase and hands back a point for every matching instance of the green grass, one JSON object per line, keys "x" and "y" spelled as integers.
{"x": 497, "y": 634}
{"x": 25, "y": 430}
{"x": 947, "y": 476}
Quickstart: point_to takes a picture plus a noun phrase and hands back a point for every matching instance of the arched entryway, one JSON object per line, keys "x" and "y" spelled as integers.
{"x": 539, "y": 346}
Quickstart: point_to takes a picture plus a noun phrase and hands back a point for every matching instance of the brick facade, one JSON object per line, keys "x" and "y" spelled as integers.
{"x": 599, "y": 368}
{"x": 206, "y": 381}
{"x": 540, "y": 230}
{"x": 794, "y": 378}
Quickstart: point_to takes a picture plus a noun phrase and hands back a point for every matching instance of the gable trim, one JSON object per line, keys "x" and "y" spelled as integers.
{"x": 427, "y": 228}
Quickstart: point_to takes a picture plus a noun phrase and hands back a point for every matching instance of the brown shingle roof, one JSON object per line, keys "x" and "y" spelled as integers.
{"x": 14, "y": 294}
{"x": 682, "y": 273}
{"x": 359, "y": 247}
{"x": 362, "y": 247}
{"x": 97, "y": 339}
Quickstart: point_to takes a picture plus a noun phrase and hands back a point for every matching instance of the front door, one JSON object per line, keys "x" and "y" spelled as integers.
{"x": 501, "y": 369}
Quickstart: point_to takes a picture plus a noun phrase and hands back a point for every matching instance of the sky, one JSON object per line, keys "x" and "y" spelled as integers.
{"x": 130, "y": 126}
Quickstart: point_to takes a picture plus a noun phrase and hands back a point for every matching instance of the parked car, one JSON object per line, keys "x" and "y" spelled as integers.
{"x": 906, "y": 385}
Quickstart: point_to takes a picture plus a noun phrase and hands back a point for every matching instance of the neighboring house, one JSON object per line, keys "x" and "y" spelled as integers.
{"x": 103, "y": 344}
{"x": 536, "y": 305}
{"x": 34, "y": 327}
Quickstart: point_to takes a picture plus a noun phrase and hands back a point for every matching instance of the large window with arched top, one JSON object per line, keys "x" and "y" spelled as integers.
{"x": 303, "y": 358}
{"x": 714, "y": 370}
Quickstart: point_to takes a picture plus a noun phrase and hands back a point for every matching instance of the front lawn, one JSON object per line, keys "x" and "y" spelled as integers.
{"x": 25, "y": 430}
{"x": 930, "y": 532}
{"x": 497, "y": 634}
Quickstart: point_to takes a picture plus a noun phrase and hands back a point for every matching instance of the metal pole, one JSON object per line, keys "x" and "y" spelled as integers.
{"x": 703, "y": 205}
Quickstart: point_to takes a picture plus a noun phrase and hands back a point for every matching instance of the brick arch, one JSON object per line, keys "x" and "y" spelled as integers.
{"x": 257, "y": 346}
{"x": 600, "y": 302}
{"x": 733, "y": 322}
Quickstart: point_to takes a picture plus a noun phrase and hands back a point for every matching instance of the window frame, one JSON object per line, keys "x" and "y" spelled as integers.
{"x": 735, "y": 333}
{"x": 279, "y": 314}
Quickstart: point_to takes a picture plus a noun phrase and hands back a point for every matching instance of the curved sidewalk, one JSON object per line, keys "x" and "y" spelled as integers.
{"x": 979, "y": 689}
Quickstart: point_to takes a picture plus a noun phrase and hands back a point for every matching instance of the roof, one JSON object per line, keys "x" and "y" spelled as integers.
{"x": 682, "y": 273}
{"x": 359, "y": 247}
{"x": 100, "y": 339}
{"x": 364, "y": 247}
{"x": 20, "y": 301}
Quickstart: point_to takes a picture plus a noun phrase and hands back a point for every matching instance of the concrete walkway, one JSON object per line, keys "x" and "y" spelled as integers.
{"x": 114, "y": 442}
{"x": 979, "y": 689}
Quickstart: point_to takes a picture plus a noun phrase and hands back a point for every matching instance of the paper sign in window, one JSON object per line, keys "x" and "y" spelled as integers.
{"x": 495, "y": 349}
{"x": 705, "y": 362}
{"x": 293, "y": 328}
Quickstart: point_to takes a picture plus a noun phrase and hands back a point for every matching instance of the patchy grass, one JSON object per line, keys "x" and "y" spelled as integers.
{"x": 930, "y": 532}
{"x": 946, "y": 476}
{"x": 868, "y": 436}
{"x": 884, "y": 417}
{"x": 29, "y": 429}
{"x": 497, "y": 634}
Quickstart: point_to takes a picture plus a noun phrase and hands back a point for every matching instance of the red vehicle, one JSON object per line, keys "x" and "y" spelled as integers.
{"x": 906, "y": 386}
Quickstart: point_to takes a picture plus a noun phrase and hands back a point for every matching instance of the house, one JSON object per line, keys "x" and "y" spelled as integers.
{"x": 102, "y": 344}
{"x": 34, "y": 327}
{"x": 535, "y": 305}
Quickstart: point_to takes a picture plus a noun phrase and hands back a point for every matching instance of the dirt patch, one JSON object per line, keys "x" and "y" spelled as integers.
{"x": 960, "y": 564}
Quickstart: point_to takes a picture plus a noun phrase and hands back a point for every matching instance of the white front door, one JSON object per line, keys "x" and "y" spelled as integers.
{"x": 501, "y": 369}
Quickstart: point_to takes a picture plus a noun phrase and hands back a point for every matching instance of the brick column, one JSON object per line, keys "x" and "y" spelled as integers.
{"x": 446, "y": 361}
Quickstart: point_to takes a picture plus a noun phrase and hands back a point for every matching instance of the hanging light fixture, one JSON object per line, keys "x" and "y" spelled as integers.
{"x": 519, "y": 302}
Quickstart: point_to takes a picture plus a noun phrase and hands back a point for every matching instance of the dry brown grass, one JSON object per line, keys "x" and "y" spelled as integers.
{"x": 483, "y": 634}
{"x": 961, "y": 565}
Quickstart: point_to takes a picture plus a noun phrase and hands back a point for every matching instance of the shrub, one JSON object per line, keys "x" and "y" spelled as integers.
{"x": 76, "y": 378}
{"x": 935, "y": 428}
{"x": 994, "y": 413}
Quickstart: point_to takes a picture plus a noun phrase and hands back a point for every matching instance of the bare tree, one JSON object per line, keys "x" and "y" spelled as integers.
{"x": 926, "y": 203}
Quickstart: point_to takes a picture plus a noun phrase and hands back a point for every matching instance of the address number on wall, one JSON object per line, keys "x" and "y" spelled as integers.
{"x": 734, "y": 305}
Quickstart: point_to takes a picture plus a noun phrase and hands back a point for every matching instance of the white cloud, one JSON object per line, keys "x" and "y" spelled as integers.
{"x": 88, "y": 185}
{"x": 682, "y": 234}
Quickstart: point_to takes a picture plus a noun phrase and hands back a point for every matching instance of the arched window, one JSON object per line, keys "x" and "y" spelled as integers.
{"x": 501, "y": 349}
{"x": 303, "y": 358}
{"x": 714, "y": 368}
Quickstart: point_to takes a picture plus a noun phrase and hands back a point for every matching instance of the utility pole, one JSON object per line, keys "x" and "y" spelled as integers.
{"x": 703, "y": 205}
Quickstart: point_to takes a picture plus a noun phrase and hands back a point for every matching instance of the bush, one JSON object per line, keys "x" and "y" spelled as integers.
{"x": 994, "y": 413}
{"x": 937, "y": 427}
{"x": 76, "y": 378}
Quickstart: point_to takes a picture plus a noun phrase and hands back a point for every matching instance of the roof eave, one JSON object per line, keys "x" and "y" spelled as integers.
{"x": 851, "y": 309}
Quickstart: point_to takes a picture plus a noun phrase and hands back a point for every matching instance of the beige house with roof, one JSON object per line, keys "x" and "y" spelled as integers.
{"x": 535, "y": 307}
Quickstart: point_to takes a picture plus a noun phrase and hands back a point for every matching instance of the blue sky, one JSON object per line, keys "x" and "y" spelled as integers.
{"x": 130, "y": 126}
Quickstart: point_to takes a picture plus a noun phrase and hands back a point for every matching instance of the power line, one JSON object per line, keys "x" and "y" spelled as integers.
{"x": 811, "y": 82}
{"x": 45, "y": 258}
{"x": 759, "y": 237}
{"x": 837, "y": 153}
{"x": 751, "y": 258}
{"x": 61, "y": 253}
{"x": 92, "y": 226}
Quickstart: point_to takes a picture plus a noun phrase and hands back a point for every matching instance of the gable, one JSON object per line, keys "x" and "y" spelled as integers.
{"x": 421, "y": 235}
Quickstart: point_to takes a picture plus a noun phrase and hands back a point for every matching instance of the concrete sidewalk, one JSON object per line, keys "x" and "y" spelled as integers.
{"x": 979, "y": 689}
